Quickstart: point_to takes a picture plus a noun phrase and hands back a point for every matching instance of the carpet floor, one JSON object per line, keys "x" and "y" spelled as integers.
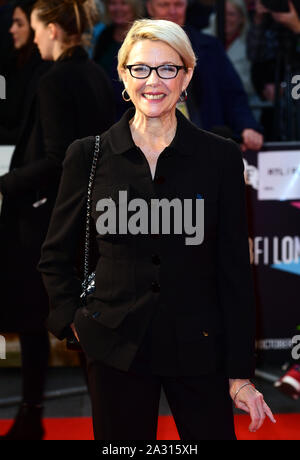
{"x": 80, "y": 428}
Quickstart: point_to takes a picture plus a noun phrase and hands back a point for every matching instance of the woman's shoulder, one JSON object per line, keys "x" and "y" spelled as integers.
{"x": 214, "y": 145}
{"x": 222, "y": 148}
{"x": 82, "y": 150}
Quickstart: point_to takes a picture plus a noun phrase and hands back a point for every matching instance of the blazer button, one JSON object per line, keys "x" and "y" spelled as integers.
{"x": 155, "y": 259}
{"x": 155, "y": 287}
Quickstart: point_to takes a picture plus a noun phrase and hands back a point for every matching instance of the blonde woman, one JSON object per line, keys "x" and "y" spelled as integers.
{"x": 167, "y": 311}
{"x": 236, "y": 28}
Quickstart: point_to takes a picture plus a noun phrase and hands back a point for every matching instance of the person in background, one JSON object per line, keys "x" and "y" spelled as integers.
{"x": 22, "y": 72}
{"x": 6, "y": 42}
{"x": 74, "y": 99}
{"x": 120, "y": 15}
{"x": 250, "y": 5}
{"x": 267, "y": 34}
{"x": 236, "y": 28}
{"x": 216, "y": 97}
{"x": 197, "y": 13}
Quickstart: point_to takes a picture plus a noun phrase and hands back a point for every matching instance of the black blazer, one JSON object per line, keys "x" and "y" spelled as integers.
{"x": 22, "y": 73}
{"x": 73, "y": 100}
{"x": 204, "y": 290}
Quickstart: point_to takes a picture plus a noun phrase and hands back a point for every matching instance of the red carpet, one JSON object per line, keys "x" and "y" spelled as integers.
{"x": 286, "y": 428}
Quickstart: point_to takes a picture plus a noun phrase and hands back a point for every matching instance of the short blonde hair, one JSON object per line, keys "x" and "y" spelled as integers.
{"x": 157, "y": 30}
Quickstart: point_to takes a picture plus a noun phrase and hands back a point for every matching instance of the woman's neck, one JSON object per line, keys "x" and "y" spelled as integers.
{"x": 60, "y": 48}
{"x": 155, "y": 133}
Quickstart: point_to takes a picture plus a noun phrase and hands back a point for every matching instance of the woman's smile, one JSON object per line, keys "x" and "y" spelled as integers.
{"x": 154, "y": 97}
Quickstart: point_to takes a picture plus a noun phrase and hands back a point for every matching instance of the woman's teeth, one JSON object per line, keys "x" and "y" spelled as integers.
{"x": 154, "y": 96}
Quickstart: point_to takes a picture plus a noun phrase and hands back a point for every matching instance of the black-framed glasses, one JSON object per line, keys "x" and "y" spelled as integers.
{"x": 165, "y": 71}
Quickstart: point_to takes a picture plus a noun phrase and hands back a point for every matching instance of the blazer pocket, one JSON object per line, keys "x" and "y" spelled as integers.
{"x": 198, "y": 345}
{"x": 190, "y": 328}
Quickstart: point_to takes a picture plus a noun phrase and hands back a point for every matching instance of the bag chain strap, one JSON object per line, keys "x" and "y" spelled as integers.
{"x": 88, "y": 213}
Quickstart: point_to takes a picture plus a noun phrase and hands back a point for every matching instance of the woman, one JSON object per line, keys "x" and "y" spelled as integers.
{"x": 166, "y": 310}
{"x": 73, "y": 99}
{"x": 120, "y": 15}
{"x": 23, "y": 67}
{"x": 236, "y": 27}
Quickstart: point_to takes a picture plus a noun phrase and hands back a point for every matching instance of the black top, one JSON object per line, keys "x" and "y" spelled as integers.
{"x": 72, "y": 100}
{"x": 199, "y": 297}
{"x": 21, "y": 84}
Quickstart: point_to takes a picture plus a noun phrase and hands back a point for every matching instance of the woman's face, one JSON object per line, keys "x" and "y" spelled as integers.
{"x": 42, "y": 37}
{"x": 154, "y": 96}
{"x": 20, "y": 28}
{"x": 120, "y": 12}
{"x": 234, "y": 20}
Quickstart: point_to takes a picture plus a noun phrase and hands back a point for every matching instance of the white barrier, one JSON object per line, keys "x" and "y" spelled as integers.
{"x": 6, "y": 152}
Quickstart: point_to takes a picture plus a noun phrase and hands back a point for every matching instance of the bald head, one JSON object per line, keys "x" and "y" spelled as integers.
{"x": 171, "y": 10}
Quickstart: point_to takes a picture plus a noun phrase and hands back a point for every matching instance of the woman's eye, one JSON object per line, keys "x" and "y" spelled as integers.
{"x": 140, "y": 68}
{"x": 168, "y": 68}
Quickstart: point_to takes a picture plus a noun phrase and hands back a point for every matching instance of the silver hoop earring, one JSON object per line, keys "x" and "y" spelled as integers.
{"x": 123, "y": 95}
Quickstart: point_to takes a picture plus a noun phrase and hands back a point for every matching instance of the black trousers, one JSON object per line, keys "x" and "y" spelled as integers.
{"x": 35, "y": 351}
{"x": 125, "y": 405}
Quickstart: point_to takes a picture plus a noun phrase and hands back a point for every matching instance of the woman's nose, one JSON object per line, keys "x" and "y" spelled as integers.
{"x": 153, "y": 77}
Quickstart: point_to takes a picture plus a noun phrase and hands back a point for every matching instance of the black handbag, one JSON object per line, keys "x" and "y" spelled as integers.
{"x": 88, "y": 284}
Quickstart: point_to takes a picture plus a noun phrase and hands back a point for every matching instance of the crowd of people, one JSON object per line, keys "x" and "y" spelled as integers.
{"x": 59, "y": 59}
{"x": 238, "y": 88}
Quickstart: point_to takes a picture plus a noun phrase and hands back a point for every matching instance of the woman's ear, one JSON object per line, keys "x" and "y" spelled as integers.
{"x": 123, "y": 75}
{"x": 187, "y": 78}
{"x": 52, "y": 29}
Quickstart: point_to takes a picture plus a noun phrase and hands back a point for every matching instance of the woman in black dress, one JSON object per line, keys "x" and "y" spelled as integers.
{"x": 74, "y": 99}
{"x": 21, "y": 71}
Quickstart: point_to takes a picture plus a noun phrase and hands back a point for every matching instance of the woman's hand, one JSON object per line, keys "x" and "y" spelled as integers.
{"x": 72, "y": 326}
{"x": 251, "y": 401}
{"x": 290, "y": 19}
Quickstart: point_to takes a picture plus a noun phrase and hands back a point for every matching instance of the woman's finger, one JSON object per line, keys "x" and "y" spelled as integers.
{"x": 259, "y": 404}
{"x": 255, "y": 417}
{"x": 269, "y": 413}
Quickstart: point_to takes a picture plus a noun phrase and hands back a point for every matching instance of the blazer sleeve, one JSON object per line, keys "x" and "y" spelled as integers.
{"x": 56, "y": 120}
{"x": 235, "y": 284}
{"x": 237, "y": 112}
{"x": 58, "y": 263}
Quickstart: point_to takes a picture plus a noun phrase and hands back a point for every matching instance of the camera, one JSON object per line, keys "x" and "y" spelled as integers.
{"x": 280, "y": 6}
